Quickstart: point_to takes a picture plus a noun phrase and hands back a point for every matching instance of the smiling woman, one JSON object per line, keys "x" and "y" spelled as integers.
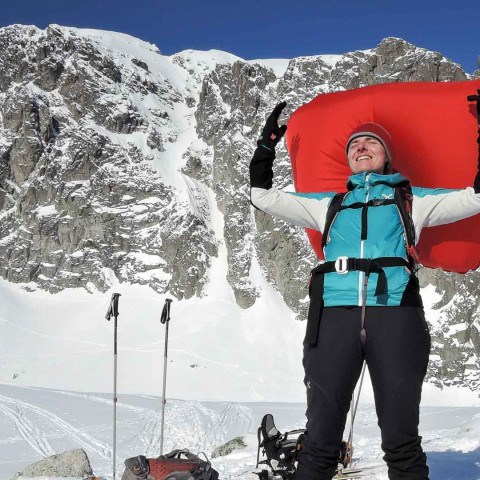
{"x": 365, "y": 303}
{"x": 366, "y": 154}
{"x": 369, "y": 149}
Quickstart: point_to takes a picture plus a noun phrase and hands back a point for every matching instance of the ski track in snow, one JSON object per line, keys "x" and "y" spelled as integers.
{"x": 150, "y": 437}
{"x": 231, "y": 415}
{"x": 27, "y": 429}
{"x": 95, "y": 398}
{"x": 208, "y": 429}
{"x": 55, "y": 337}
{"x": 32, "y": 435}
{"x": 204, "y": 426}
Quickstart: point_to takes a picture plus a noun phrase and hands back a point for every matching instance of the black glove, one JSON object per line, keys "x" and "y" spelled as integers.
{"x": 272, "y": 133}
{"x": 261, "y": 173}
{"x": 476, "y": 98}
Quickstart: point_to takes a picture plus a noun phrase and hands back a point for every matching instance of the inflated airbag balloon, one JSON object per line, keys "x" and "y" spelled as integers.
{"x": 434, "y": 131}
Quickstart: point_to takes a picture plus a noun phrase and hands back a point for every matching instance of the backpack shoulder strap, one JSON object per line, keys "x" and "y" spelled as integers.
{"x": 333, "y": 209}
{"x": 403, "y": 199}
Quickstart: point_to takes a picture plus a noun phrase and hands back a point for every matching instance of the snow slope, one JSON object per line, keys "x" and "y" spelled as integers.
{"x": 217, "y": 351}
{"x": 37, "y": 422}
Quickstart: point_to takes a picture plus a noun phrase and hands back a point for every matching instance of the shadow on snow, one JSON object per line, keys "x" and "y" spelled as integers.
{"x": 451, "y": 465}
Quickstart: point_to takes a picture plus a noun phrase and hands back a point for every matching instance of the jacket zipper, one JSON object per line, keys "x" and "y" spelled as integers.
{"x": 360, "y": 273}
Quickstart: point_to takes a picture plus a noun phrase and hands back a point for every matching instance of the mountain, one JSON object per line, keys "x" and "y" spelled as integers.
{"x": 120, "y": 164}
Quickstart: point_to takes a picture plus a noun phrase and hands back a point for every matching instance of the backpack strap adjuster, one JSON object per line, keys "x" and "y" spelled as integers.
{"x": 341, "y": 265}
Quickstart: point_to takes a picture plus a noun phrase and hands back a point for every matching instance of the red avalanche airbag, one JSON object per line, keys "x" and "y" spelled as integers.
{"x": 434, "y": 131}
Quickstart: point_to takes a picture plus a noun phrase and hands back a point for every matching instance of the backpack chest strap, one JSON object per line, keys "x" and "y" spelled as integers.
{"x": 375, "y": 202}
{"x": 403, "y": 199}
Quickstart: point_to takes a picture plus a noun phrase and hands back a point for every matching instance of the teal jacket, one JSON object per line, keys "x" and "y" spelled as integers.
{"x": 385, "y": 237}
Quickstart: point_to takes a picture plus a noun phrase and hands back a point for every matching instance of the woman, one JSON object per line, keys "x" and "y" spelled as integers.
{"x": 365, "y": 303}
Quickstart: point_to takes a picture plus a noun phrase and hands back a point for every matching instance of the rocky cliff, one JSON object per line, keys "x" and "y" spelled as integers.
{"x": 119, "y": 162}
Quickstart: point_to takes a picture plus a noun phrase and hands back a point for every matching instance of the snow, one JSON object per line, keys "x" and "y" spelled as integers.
{"x": 113, "y": 40}
{"x": 430, "y": 298}
{"x": 23, "y": 477}
{"x": 200, "y": 61}
{"x": 220, "y": 357}
{"x": 331, "y": 60}
{"x": 146, "y": 258}
{"x": 458, "y": 327}
{"x": 54, "y": 341}
{"x": 45, "y": 211}
{"x": 124, "y": 47}
{"x": 38, "y": 422}
{"x": 278, "y": 65}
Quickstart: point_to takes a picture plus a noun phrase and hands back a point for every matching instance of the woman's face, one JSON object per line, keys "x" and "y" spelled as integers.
{"x": 366, "y": 154}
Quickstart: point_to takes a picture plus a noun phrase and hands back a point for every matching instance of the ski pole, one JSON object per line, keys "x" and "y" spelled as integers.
{"x": 164, "y": 319}
{"x": 113, "y": 311}
{"x": 353, "y": 407}
{"x": 354, "y": 413}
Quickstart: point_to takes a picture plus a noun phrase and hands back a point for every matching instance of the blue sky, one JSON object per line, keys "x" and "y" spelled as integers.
{"x": 276, "y": 29}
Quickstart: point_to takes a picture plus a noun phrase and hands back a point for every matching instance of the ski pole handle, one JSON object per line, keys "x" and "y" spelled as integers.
{"x": 113, "y": 308}
{"x": 166, "y": 311}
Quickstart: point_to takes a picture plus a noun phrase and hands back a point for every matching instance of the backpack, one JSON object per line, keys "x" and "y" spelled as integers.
{"x": 175, "y": 465}
{"x": 402, "y": 199}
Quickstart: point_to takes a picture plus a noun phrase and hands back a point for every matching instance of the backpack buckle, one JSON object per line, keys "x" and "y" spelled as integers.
{"x": 341, "y": 265}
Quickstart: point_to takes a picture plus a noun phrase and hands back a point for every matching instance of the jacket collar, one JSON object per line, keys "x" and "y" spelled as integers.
{"x": 369, "y": 178}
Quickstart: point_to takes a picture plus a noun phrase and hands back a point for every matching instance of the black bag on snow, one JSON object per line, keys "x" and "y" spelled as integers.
{"x": 281, "y": 450}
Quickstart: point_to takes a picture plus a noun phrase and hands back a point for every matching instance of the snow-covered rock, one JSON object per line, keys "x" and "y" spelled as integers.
{"x": 236, "y": 443}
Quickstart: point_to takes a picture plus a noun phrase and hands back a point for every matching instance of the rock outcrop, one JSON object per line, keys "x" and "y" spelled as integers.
{"x": 73, "y": 464}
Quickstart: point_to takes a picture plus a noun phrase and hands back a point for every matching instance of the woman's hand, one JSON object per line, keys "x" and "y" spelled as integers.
{"x": 261, "y": 173}
{"x": 476, "y": 98}
{"x": 272, "y": 132}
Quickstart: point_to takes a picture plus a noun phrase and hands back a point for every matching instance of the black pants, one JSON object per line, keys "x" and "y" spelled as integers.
{"x": 396, "y": 350}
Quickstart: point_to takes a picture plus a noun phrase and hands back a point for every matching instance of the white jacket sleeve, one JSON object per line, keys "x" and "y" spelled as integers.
{"x": 438, "y": 206}
{"x": 306, "y": 210}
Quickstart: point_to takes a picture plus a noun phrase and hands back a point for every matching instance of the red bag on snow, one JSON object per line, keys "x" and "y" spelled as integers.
{"x": 175, "y": 465}
{"x": 434, "y": 131}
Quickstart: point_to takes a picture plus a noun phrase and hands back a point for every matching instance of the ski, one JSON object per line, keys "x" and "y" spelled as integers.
{"x": 357, "y": 472}
{"x": 349, "y": 473}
